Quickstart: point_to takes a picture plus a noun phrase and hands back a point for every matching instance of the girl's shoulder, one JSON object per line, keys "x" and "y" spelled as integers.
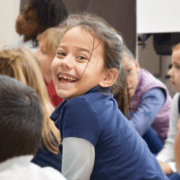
{"x": 93, "y": 101}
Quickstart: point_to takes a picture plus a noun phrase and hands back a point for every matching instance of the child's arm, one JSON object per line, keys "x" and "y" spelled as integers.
{"x": 151, "y": 103}
{"x": 178, "y": 125}
{"x": 166, "y": 155}
{"x": 166, "y": 168}
{"x": 78, "y": 158}
{"x": 177, "y": 152}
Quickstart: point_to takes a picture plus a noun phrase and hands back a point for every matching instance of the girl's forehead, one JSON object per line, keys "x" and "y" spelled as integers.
{"x": 78, "y": 37}
{"x": 126, "y": 62}
{"x": 176, "y": 57}
{"x": 176, "y": 54}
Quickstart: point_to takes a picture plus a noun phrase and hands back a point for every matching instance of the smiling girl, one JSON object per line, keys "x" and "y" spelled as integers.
{"x": 98, "y": 142}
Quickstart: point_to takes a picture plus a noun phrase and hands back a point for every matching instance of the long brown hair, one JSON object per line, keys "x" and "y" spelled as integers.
{"x": 24, "y": 66}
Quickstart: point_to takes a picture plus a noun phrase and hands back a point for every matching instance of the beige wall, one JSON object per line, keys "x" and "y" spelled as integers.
{"x": 155, "y": 16}
{"x": 9, "y": 10}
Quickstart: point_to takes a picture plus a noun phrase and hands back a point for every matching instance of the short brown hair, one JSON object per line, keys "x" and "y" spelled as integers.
{"x": 21, "y": 119}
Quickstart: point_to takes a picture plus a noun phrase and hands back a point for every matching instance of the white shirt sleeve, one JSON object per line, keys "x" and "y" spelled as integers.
{"x": 166, "y": 155}
{"x": 78, "y": 158}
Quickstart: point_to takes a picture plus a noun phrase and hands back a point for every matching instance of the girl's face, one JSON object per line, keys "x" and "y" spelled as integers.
{"x": 174, "y": 72}
{"x": 27, "y": 23}
{"x": 77, "y": 67}
{"x": 131, "y": 67}
{"x": 45, "y": 60}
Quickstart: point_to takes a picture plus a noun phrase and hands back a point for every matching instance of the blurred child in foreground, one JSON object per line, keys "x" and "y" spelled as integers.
{"x": 21, "y": 124}
{"x": 24, "y": 66}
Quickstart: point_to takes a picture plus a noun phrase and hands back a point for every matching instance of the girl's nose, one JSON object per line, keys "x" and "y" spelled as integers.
{"x": 67, "y": 62}
{"x": 128, "y": 81}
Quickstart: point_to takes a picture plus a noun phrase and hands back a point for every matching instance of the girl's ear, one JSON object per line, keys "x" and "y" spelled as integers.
{"x": 110, "y": 77}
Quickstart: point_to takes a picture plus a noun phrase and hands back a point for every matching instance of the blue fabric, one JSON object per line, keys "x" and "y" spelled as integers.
{"x": 174, "y": 176}
{"x": 45, "y": 158}
{"x": 153, "y": 141}
{"x": 120, "y": 153}
{"x": 151, "y": 103}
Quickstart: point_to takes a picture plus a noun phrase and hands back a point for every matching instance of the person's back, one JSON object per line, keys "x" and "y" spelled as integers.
{"x": 21, "y": 123}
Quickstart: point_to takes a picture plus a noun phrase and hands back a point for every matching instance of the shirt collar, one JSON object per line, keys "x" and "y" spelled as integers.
{"x": 20, "y": 160}
{"x": 96, "y": 89}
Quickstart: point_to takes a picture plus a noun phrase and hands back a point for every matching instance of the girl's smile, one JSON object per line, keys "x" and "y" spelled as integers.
{"x": 78, "y": 65}
{"x": 66, "y": 78}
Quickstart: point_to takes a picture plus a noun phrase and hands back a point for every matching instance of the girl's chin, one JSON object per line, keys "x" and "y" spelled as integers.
{"x": 177, "y": 89}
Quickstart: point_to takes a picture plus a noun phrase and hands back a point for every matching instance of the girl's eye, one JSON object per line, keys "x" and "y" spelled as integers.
{"x": 128, "y": 71}
{"x": 81, "y": 57}
{"x": 178, "y": 67}
{"x": 61, "y": 54}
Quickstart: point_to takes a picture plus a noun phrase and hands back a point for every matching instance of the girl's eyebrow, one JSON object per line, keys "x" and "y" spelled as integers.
{"x": 127, "y": 65}
{"x": 177, "y": 64}
{"x": 80, "y": 49}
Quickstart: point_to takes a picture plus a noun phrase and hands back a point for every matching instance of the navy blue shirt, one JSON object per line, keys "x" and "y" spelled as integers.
{"x": 45, "y": 158}
{"x": 120, "y": 153}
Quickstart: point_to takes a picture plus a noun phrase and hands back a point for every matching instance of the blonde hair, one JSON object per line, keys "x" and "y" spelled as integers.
{"x": 24, "y": 66}
{"x": 53, "y": 37}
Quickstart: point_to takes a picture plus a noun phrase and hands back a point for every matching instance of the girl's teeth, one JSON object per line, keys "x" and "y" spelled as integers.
{"x": 66, "y": 79}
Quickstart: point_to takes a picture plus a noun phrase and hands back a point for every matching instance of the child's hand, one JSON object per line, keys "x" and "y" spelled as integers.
{"x": 165, "y": 167}
{"x": 178, "y": 125}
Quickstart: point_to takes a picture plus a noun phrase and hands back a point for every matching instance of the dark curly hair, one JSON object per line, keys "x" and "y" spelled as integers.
{"x": 49, "y": 12}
